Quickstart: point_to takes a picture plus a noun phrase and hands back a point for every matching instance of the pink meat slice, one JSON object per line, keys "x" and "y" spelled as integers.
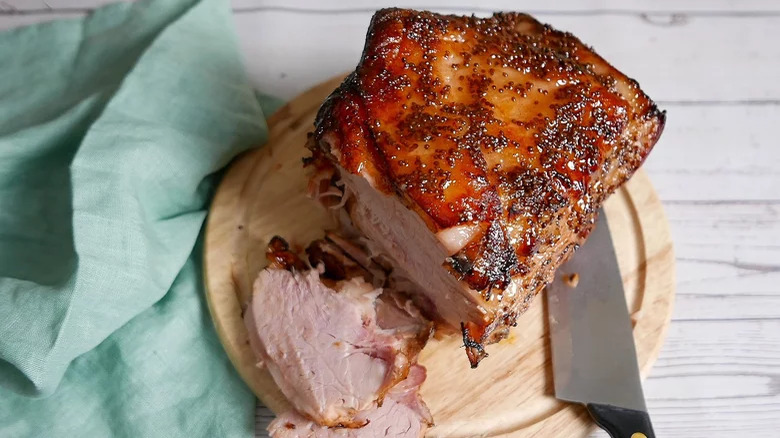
{"x": 324, "y": 347}
{"x": 402, "y": 415}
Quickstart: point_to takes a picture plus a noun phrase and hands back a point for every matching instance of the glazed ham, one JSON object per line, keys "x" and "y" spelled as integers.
{"x": 335, "y": 344}
{"x": 402, "y": 415}
{"x": 476, "y": 152}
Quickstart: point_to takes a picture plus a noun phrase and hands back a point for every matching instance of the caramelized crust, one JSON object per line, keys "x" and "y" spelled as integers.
{"x": 280, "y": 256}
{"x": 499, "y": 123}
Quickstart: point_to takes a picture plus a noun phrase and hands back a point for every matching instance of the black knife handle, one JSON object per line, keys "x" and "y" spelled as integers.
{"x": 621, "y": 422}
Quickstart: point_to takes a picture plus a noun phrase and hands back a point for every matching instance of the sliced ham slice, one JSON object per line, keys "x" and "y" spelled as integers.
{"x": 334, "y": 348}
{"x": 402, "y": 415}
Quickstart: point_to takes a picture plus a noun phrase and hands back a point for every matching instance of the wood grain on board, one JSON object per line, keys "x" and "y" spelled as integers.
{"x": 263, "y": 194}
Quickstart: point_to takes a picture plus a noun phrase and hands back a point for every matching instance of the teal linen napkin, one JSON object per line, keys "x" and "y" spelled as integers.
{"x": 113, "y": 129}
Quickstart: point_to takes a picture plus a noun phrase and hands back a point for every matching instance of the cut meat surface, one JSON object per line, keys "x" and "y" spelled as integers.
{"x": 334, "y": 345}
{"x": 476, "y": 153}
{"x": 402, "y": 415}
{"x": 312, "y": 340}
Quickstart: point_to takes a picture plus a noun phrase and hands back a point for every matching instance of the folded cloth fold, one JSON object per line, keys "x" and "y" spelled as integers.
{"x": 113, "y": 131}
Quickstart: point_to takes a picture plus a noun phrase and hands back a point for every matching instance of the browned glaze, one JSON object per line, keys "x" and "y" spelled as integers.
{"x": 500, "y": 122}
{"x": 280, "y": 256}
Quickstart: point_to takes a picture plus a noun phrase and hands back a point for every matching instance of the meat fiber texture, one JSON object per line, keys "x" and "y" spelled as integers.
{"x": 402, "y": 415}
{"x": 477, "y": 152}
{"x": 341, "y": 350}
{"x": 323, "y": 346}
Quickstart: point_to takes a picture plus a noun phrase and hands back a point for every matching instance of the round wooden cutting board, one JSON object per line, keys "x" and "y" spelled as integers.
{"x": 511, "y": 393}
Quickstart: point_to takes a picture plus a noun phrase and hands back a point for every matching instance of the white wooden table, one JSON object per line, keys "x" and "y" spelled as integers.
{"x": 715, "y": 67}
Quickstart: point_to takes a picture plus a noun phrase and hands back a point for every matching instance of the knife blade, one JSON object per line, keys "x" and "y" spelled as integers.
{"x": 593, "y": 353}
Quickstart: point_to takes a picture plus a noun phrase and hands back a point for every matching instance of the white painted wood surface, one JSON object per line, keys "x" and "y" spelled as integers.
{"x": 714, "y": 65}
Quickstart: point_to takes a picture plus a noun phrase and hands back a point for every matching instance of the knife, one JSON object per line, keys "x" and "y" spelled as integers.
{"x": 593, "y": 352}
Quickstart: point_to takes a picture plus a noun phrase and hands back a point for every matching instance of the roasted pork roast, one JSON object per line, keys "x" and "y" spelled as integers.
{"x": 465, "y": 159}
{"x": 475, "y": 154}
